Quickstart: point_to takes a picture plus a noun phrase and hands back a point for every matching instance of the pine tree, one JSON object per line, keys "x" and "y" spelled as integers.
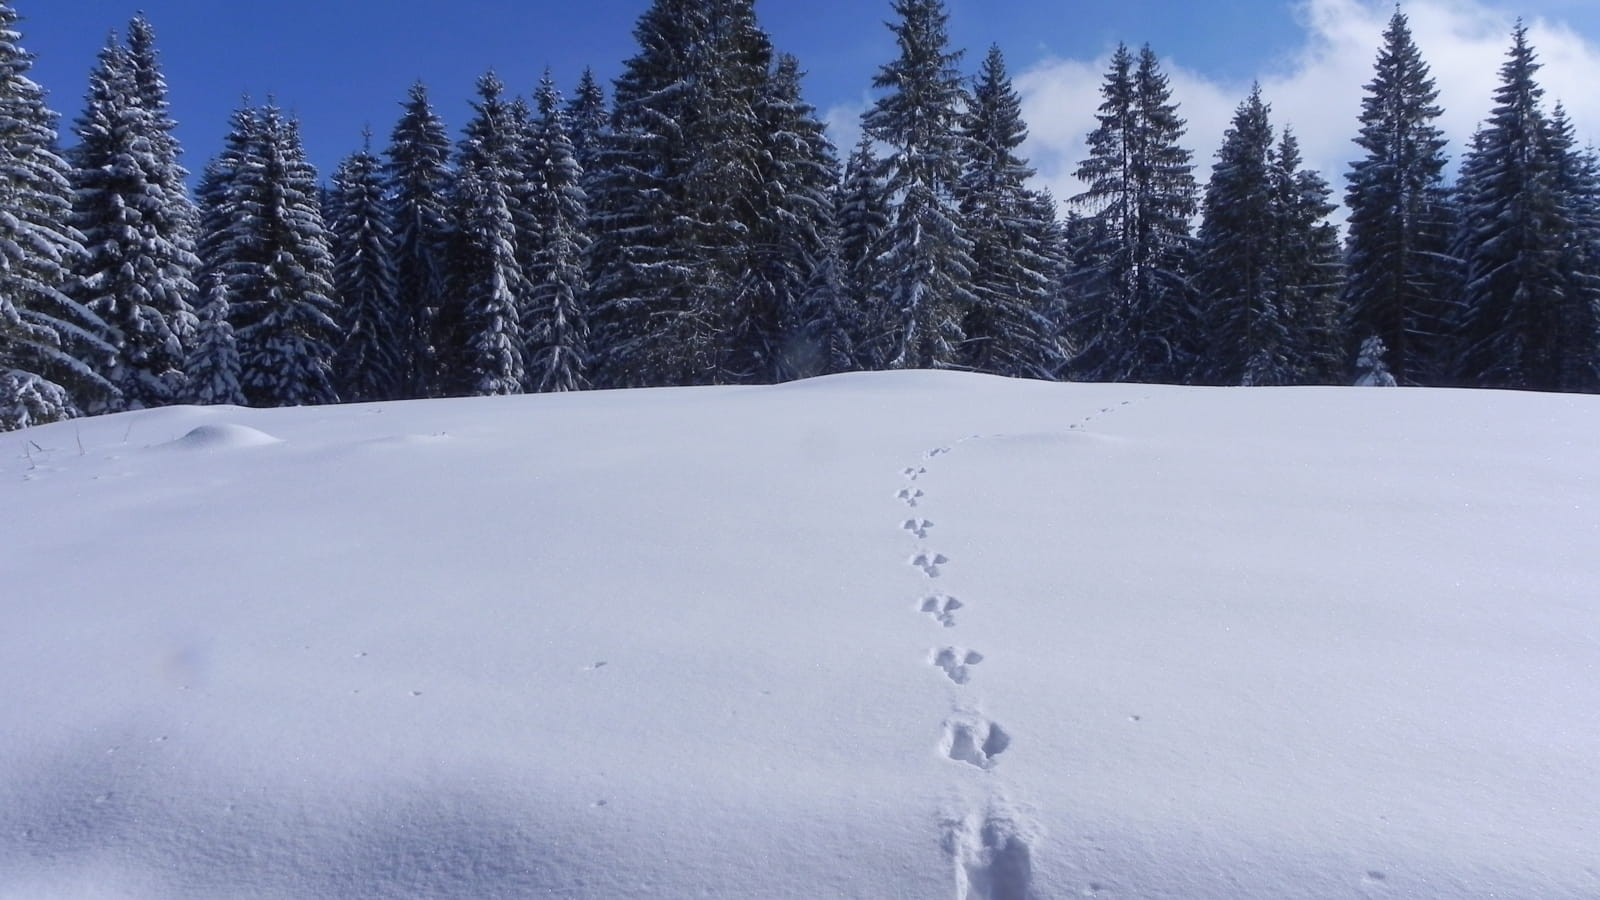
{"x": 418, "y": 179}
{"x": 213, "y": 365}
{"x": 825, "y": 328}
{"x": 767, "y": 158}
{"x": 50, "y": 344}
{"x": 263, "y": 234}
{"x": 924, "y": 291}
{"x": 518, "y": 165}
{"x": 639, "y": 274}
{"x": 862, "y": 215}
{"x": 1371, "y": 370}
{"x": 1011, "y": 330}
{"x": 556, "y": 328}
{"x": 1247, "y": 332}
{"x": 137, "y": 226}
{"x": 1269, "y": 262}
{"x": 676, "y": 197}
{"x": 371, "y": 364}
{"x": 1399, "y": 228}
{"x": 1577, "y": 183}
{"x": 587, "y": 121}
{"x": 179, "y": 218}
{"x": 486, "y": 275}
{"x": 1513, "y": 219}
{"x": 1135, "y": 319}
{"x": 218, "y": 240}
{"x": 791, "y": 242}
{"x": 1310, "y": 269}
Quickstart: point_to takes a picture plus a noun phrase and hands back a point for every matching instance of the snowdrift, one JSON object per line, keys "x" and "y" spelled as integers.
{"x": 874, "y": 636}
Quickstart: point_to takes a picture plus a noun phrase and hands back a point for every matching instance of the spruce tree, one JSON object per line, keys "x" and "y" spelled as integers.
{"x": 1011, "y": 329}
{"x": 1310, "y": 264}
{"x": 372, "y": 361}
{"x": 1135, "y": 317}
{"x": 1399, "y": 227}
{"x": 213, "y": 365}
{"x": 676, "y": 198}
{"x": 791, "y": 242}
{"x": 518, "y": 165}
{"x": 556, "y": 325}
{"x": 486, "y": 275}
{"x": 1513, "y": 221}
{"x": 1371, "y": 370}
{"x": 1577, "y": 182}
{"x": 263, "y": 234}
{"x": 219, "y": 242}
{"x": 179, "y": 218}
{"x": 51, "y": 349}
{"x": 418, "y": 178}
{"x": 746, "y": 183}
{"x": 824, "y": 328}
{"x": 1247, "y": 332}
{"x": 587, "y": 120}
{"x": 640, "y": 274}
{"x": 862, "y": 215}
{"x": 137, "y": 225}
{"x": 924, "y": 290}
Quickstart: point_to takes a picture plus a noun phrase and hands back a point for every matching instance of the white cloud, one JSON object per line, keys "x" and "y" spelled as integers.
{"x": 844, "y": 126}
{"x": 1317, "y": 89}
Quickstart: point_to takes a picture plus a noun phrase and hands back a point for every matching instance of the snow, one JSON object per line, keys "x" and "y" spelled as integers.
{"x": 900, "y": 635}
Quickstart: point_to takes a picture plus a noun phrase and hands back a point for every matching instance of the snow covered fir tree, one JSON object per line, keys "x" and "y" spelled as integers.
{"x": 52, "y": 347}
{"x": 692, "y": 222}
{"x": 1526, "y": 318}
{"x": 1401, "y": 217}
{"x": 137, "y": 223}
{"x": 924, "y": 287}
{"x": 262, "y": 234}
{"x": 1133, "y": 312}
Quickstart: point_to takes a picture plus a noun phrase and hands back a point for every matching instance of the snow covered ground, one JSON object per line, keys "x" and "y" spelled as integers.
{"x": 874, "y": 636}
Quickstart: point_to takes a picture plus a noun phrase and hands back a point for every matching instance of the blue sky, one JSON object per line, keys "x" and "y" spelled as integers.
{"x": 344, "y": 64}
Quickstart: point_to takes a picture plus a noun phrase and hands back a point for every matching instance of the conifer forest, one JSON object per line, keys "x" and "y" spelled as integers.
{"x": 691, "y": 223}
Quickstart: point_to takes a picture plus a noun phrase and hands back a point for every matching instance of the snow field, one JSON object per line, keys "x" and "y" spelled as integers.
{"x": 896, "y": 635}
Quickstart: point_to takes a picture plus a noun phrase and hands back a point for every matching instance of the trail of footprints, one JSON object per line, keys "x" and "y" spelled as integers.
{"x": 1079, "y": 426}
{"x": 968, "y": 738}
{"x": 992, "y": 860}
{"x": 990, "y": 849}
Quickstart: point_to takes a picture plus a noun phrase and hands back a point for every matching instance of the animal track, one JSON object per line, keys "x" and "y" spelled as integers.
{"x": 974, "y": 741}
{"x": 942, "y": 608}
{"x": 993, "y": 861}
{"x": 914, "y": 473}
{"x": 910, "y": 496}
{"x": 954, "y": 661}
{"x": 929, "y": 563}
{"x": 918, "y": 527}
{"x": 936, "y": 452}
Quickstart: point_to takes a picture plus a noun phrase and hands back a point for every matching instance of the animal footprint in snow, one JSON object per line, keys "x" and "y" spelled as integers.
{"x": 942, "y": 608}
{"x": 918, "y": 527}
{"x": 936, "y": 452}
{"x": 910, "y": 496}
{"x": 974, "y": 741}
{"x": 954, "y": 661}
{"x": 914, "y": 473}
{"x": 994, "y": 860}
{"x": 929, "y": 563}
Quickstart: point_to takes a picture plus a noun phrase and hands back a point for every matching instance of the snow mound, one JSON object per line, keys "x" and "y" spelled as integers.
{"x": 224, "y": 437}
